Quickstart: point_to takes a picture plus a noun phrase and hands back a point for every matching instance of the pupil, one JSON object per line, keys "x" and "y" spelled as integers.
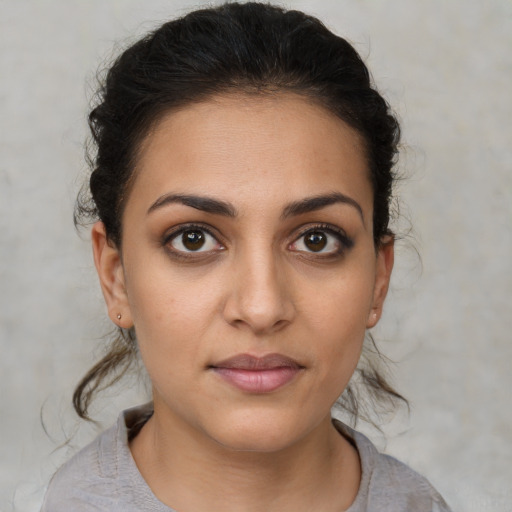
{"x": 193, "y": 240}
{"x": 316, "y": 241}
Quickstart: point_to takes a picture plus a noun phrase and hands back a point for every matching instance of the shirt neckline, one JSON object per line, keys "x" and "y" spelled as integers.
{"x": 135, "y": 417}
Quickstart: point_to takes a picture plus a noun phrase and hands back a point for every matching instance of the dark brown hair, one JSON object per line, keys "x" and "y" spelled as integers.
{"x": 253, "y": 48}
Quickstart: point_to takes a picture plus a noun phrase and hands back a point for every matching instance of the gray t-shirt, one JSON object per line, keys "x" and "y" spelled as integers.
{"x": 103, "y": 477}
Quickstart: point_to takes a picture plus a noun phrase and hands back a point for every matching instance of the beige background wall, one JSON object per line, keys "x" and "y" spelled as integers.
{"x": 446, "y": 66}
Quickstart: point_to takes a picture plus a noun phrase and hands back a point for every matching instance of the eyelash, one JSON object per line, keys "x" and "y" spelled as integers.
{"x": 345, "y": 242}
{"x": 184, "y": 255}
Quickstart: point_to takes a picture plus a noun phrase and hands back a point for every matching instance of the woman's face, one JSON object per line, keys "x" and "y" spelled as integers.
{"x": 248, "y": 267}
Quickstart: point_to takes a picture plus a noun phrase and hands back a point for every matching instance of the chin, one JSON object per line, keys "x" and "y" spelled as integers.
{"x": 262, "y": 433}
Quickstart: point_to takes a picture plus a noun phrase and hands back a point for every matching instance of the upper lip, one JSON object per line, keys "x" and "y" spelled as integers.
{"x": 250, "y": 362}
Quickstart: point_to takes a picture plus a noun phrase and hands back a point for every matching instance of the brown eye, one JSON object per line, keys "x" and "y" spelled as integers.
{"x": 193, "y": 240}
{"x": 324, "y": 241}
{"x": 315, "y": 241}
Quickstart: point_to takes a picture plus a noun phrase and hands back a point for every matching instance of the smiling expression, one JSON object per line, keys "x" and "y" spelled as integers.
{"x": 248, "y": 267}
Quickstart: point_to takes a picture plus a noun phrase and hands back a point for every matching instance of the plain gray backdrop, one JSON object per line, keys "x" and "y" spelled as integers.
{"x": 446, "y": 68}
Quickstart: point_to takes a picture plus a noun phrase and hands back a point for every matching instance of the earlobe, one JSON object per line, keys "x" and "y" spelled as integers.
{"x": 384, "y": 267}
{"x": 107, "y": 260}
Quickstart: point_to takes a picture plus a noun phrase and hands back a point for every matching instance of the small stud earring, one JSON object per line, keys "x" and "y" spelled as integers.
{"x": 119, "y": 316}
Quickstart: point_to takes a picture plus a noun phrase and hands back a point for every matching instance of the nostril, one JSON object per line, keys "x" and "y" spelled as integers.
{"x": 281, "y": 324}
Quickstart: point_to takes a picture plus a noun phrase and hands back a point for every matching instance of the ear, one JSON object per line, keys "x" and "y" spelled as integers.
{"x": 384, "y": 266}
{"x": 110, "y": 272}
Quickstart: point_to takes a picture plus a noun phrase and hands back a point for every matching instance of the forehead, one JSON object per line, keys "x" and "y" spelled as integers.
{"x": 280, "y": 147}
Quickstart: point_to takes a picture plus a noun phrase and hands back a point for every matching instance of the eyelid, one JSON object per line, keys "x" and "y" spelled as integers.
{"x": 177, "y": 230}
{"x": 345, "y": 241}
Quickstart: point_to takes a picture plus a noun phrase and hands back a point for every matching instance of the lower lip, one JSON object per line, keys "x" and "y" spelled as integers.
{"x": 258, "y": 381}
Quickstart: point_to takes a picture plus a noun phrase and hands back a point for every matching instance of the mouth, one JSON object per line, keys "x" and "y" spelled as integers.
{"x": 257, "y": 374}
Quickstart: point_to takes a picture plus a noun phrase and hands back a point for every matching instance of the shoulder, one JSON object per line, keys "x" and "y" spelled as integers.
{"x": 388, "y": 485}
{"x": 85, "y": 482}
{"x": 99, "y": 477}
{"x": 401, "y": 488}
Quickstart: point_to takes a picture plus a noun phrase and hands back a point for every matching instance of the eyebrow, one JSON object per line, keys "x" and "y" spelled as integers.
{"x": 203, "y": 203}
{"x": 311, "y": 204}
{"x": 218, "y": 207}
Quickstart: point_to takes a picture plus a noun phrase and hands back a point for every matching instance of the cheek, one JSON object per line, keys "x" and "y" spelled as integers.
{"x": 161, "y": 290}
{"x": 337, "y": 320}
{"x": 341, "y": 303}
{"x": 172, "y": 310}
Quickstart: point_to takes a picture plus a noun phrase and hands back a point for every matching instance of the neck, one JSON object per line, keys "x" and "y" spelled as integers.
{"x": 189, "y": 471}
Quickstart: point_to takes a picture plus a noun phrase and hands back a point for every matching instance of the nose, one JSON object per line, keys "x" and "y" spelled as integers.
{"x": 259, "y": 296}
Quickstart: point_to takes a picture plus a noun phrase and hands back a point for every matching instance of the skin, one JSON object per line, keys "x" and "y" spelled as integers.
{"x": 256, "y": 288}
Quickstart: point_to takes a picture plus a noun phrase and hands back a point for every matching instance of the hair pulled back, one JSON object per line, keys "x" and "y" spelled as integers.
{"x": 250, "y": 48}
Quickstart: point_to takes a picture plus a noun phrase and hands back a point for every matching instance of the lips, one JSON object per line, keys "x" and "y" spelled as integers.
{"x": 257, "y": 374}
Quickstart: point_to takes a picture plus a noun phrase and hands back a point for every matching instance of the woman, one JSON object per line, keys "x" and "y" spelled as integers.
{"x": 241, "y": 192}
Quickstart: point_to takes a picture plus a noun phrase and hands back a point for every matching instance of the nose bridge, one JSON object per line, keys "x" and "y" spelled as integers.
{"x": 259, "y": 296}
